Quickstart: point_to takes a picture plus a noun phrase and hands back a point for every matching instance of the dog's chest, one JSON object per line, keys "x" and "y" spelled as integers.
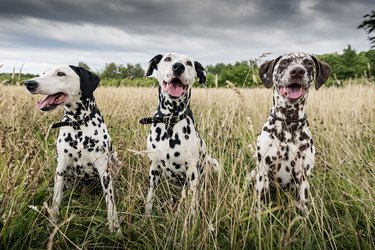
{"x": 286, "y": 152}
{"x": 175, "y": 150}
{"x": 82, "y": 148}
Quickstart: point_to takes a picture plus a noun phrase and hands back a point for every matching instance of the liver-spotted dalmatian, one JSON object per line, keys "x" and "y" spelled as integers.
{"x": 285, "y": 149}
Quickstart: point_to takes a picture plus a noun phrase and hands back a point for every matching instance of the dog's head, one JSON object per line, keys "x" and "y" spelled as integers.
{"x": 292, "y": 74}
{"x": 176, "y": 73}
{"x": 62, "y": 85}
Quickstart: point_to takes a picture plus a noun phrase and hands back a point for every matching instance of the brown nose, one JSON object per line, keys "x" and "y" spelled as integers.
{"x": 297, "y": 72}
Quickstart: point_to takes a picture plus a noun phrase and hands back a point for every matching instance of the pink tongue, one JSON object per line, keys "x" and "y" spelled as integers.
{"x": 47, "y": 101}
{"x": 292, "y": 92}
{"x": 56, "y": 99}
{"x": 175, "y": 90}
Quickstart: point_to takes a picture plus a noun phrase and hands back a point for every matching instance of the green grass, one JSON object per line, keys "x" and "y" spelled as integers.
{"x": 342, "y": 215}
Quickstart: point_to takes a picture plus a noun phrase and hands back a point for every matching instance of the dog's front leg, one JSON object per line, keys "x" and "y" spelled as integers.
{"x": 58, "y": 189}
{"x": 193, "y": 182}
{"x": 261, "y": 185}
{"x": 154, "y": 178}
{"x": 107, "y": 185}
{"x": 302, "y": 193}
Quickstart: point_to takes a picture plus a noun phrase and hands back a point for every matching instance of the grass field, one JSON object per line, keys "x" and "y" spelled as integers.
{"x": 342, "y": 216}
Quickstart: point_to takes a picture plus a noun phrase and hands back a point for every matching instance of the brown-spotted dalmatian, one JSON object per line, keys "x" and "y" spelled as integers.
{"x": 285, "y": 148}
{"x": 175, "y": 148}
{"x": 84, "y": 146}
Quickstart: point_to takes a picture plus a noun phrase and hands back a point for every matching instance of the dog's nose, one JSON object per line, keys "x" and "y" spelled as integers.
{"x": 297, "y": 72}
{"x": 31, "y": 85}
{"x": 178, "y": 69}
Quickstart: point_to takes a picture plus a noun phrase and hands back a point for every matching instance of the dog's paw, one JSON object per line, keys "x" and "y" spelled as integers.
{"x": 148, "y": 211}
{"x": 250, "y": 178}
{"x": 53, "y": 213}
{"x": 114, "y": 226}
{"x": 215, "y": 165}
{"x": 303, "y": 209}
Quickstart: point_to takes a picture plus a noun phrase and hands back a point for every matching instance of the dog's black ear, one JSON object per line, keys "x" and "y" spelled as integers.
{"x": 266, "y": 72}
{"x": 153, "y": 64}
{"x": 323, "y": 71}
{"x": 201, "y": 73}
{"x": 88, "y": 81}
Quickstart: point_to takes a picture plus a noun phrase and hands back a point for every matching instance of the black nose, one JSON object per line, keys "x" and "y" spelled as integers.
{"x": 297, "y": 72}
{"x": 31, "y": 85}
{"x": 178, "y": 69}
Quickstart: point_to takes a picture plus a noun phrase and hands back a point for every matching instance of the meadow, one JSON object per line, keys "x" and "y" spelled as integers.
{"x": 342, "y": 216}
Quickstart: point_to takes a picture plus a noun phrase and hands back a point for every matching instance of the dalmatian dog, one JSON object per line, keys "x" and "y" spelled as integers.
{"x": 175, "y": 148}
{"x": 84, "y": 146}
{"x": 285, "y": 148}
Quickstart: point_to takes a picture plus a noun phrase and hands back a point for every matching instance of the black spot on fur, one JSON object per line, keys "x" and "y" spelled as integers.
{"x": 192, "y": 176}
{"x": 268, "y": 160}
{"x": 174, "y": 142}
{"x": 176, "y": 165}
{"x": 158, "y": 133}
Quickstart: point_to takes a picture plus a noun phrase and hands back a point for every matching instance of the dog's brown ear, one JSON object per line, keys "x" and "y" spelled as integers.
{"x": 266, "y": 72}
{"x": 88, "y": 81}
{"x": 201, "y": 73}
{"x": 323, "y": 71}
{"x": 153, "y": 64}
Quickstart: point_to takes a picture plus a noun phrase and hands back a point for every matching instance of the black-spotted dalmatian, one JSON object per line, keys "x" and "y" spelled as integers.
{"x": 285, "y": 148}
{"x": 84, "y": 146}
{"x": 175, "y": 148}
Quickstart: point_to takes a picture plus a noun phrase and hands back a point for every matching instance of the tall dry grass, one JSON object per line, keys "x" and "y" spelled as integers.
{"x": 342, "y": 215}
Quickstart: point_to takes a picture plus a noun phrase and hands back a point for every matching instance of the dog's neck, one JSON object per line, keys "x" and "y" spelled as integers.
{"x": 79, "y": 110}
{"x": 168, "y": 106}
{"x": 286, "y": 110}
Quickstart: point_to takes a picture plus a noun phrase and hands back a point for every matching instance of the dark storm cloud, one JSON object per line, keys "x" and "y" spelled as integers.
{"x": 215, "y": 30}
{"x": 141, "y": 15}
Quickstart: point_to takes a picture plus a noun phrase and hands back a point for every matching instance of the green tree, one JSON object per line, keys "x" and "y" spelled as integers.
{"x": 348, "y": 63}
{"x": 131, "y": 71}
{"x": 110, "y": 71}
{"x": 369, "y": 26}
{"x": 370, "y": 55}
{"x": 239, "y": 73}
{"x": 84, "y": 65}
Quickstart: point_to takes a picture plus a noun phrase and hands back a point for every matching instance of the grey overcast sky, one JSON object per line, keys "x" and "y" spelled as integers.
{"x": 40, "y": 33}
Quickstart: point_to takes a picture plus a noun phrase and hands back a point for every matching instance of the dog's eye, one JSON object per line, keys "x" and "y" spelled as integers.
{"x": 61, "y": 74}
{"x": 167, "y": 59}
{"x": 189, "y": 63}
{"x": 283, "y": 63}
{"x": 309, "y": 63}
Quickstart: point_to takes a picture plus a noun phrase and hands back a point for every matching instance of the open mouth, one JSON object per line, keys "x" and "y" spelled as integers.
{"x": 52, "y": 101}
{"x": 293, "y": 91}
{"x": 174, "y": 88}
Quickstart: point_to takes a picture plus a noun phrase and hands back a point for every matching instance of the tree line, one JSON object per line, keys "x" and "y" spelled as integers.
{"x": 348, "y": 65}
